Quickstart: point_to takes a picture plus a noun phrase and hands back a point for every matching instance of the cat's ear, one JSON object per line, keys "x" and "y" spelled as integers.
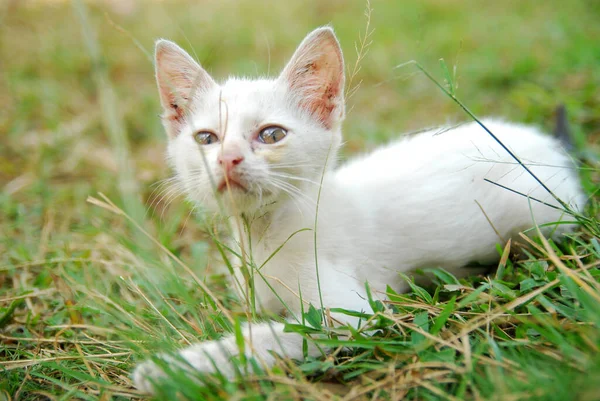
{"x": 315, "y": 74}
{"x": 179, "y": 79}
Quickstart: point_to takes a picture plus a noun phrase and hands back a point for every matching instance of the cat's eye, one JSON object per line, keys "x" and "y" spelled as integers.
{"x": 272, "y": 134}
{"x": 205, "y": 138}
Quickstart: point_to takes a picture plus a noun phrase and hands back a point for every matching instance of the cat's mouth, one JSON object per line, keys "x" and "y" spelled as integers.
{"x": 231, "y": 184}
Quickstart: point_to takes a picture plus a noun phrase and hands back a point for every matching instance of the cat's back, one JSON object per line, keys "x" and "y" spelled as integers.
{"x": 447, "y": 177}
{"x": 466, "y": 151}
{"x": 430, "y": 199}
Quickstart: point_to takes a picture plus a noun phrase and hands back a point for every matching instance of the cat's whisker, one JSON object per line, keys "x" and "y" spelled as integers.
{"x": 173, "y": 194}
{"x": 293, "y": 196}
{"x": 294, "y": 177}
{"x": 165, "y": 191}
{"x": 300, "y": 199}
{"x": 164, "y": 181}
{"x": 154, "y": 197}
{"x": 295, "y": 163}
{"x": 191, "y": 212}
{"x": 161, "y": 185}
{"x": 292, "y": 190}
{"x": 296, "y": 166}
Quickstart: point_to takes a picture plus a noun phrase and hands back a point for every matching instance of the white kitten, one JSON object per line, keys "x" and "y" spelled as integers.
{"x": 261, "y": 148}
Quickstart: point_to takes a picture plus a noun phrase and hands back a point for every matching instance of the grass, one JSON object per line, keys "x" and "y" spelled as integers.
{"x": 85, "y": 294}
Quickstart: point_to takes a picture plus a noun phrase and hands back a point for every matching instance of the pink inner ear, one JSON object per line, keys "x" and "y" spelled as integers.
{"x": 175, "y": 90}
{"x": 175, "y": 87}
{"x": 316, "y": 74}
{"x": 179, "y": 79}
{"x": 322, "y": 92}
{"x": 329, "y": 101}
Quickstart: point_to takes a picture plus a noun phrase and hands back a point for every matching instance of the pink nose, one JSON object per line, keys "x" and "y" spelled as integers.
{"x": 229, "y": 161}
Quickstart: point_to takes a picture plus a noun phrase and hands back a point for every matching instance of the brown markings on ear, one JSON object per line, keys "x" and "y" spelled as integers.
{"x": 178, "y": 115}
{"x": 316, "y": 74}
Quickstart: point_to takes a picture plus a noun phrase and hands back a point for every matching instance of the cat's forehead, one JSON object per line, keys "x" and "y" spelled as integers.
{"x": 242, "y": 102}
{"x": 240, "y": 89}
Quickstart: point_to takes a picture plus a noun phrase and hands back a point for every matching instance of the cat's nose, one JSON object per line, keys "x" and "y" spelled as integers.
{"x": 228, "y": 161}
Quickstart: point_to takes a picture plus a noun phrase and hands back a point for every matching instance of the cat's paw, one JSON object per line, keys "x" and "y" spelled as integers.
{"x": 211, "y": 357}
{"x": 145, "y": 375}
{"x": 208, "y": 357}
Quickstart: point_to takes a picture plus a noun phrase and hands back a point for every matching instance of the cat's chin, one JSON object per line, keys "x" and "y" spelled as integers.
{"x": 237, "y": 199}
{"x": 231, "y": 185}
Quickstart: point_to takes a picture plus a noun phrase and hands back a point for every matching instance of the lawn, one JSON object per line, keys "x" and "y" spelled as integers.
{"x": 100, "y": 266}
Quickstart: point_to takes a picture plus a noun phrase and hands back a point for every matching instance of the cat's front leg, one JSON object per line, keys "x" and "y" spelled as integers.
{"x": 261, "y": 340}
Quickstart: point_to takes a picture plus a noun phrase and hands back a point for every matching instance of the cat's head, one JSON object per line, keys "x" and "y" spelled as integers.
{"x": 252, "y": 142}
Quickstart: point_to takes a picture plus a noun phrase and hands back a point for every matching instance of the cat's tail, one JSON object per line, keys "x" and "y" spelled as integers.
{"x": 561, "y": 129}
{"x": 563, "y": 133}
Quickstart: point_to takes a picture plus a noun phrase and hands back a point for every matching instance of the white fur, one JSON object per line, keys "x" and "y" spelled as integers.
{"x": 414, "y": 203}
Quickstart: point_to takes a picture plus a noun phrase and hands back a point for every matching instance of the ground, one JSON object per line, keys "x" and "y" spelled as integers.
{"x": 90, "y": 286}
